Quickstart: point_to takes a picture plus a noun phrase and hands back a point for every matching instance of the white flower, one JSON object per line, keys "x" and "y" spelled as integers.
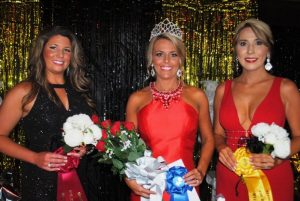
{"x": 97, "y": 132}
{"x": 126, "y": 145}
{"x": 260, "y": 129}
{"x": 270, "y": 138}
{"x": 80, "y": 121}
{"x": 79, "y": 129}
{"x": 274, "y": 135}
{"x": 88, "y": 138}
{"x": 282, "y": 148}
{"x": 73, "y": 137}
{"x": 278, "y": 131}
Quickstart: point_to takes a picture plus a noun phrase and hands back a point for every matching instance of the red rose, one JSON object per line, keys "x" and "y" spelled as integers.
{"x": 106, "y": 124}
{"x": 95, "y": 119}
{"x": 115, "y": 128}
{"x": 104, "y": 135}
{"x": 129, "y": 125}
{"x": 100, "y": 146}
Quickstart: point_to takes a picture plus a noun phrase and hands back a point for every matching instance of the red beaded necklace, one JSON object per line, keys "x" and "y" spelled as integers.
{"x": 166, "y": 97}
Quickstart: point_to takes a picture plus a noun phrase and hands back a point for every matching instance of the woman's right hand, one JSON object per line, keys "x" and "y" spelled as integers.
{"x": 138, "y": 189}
{"x": 226, "y": 157}
{"x": 50, "y": 161}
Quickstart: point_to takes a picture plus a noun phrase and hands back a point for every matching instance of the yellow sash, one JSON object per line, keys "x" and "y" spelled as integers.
{"x": 256, "y": 181}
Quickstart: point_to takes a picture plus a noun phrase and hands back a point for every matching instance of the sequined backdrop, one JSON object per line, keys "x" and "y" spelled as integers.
{"x": 114, "y": 34}
{"x": 19, "y": 25}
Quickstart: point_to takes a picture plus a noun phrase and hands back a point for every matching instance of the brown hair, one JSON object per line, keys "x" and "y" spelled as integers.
{"x": 76, "y": 75}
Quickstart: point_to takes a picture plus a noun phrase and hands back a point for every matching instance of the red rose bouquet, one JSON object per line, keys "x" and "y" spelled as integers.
{"x": 119, "y": 144}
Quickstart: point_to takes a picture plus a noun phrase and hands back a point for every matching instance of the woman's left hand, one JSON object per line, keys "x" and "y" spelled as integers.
{"x": 194, "y": 177}
{"x": 79, "y": 152}
{"x": 262, "y": 161}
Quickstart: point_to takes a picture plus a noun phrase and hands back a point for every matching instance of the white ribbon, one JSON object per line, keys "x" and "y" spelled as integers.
{"x": 150, "y": 173}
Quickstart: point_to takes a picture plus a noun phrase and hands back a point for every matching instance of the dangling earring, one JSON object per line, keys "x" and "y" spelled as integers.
{"x": 179, "y": 73}
{"x": 237, "y": 67}
{"x": 68, "y": 71}
{"x": 152, "y": 71}
{"x": 268, "y": 65}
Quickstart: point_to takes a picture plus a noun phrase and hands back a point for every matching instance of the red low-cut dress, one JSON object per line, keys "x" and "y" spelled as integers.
{"x": 169, "y": 132}
{"x": 270, "y": 110}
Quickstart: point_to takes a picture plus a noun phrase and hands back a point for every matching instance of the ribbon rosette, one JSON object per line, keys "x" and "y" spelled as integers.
{"x": 69, "y": 187}
{"x": 176, "y": 186}
{"x": 256, "y": 181}
{"x": 150, "y": 173}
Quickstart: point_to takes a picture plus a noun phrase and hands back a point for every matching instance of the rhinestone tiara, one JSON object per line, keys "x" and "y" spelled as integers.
{"x": 166, "y": 26}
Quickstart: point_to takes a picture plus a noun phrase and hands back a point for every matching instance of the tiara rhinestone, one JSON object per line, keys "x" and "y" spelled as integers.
{"x": 166, "y": 26}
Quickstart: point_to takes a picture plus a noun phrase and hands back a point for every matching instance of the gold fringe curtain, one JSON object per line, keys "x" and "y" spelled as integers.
{"x": 19, "y": 24}
{"x": 208, "y": 30}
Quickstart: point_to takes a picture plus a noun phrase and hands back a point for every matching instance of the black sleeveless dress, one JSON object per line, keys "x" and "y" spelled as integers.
{"x": 43, "y": 132}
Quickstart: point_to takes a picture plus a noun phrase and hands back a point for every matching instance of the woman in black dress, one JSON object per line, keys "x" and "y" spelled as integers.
{"x": 55, "y": 89}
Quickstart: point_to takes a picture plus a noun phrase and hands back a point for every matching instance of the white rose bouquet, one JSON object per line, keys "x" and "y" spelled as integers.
{"x": 80, "y": 130}
{"x": 271, "y": 139}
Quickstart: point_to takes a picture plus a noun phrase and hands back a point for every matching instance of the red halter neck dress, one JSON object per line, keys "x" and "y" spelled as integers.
{"x": 169, "y": 130}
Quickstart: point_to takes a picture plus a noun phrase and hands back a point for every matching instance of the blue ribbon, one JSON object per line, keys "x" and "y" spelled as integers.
{"x": 176, "y": 186}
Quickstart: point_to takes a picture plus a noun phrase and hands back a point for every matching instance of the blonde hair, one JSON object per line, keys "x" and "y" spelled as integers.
{"x": 260, "y": 29}
{"x": 180, "y": 48}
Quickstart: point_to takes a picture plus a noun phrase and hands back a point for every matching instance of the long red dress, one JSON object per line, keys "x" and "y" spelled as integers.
{"x": 170, "y": 133}
{"x": 270, "y": 110}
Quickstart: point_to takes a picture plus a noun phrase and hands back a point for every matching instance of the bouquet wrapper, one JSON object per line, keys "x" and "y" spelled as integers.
{"x": 150, "y": 173}
{"x": 69, "y": 187}
{"x": 256, "y": 181}
{"x": 176, "y": 187}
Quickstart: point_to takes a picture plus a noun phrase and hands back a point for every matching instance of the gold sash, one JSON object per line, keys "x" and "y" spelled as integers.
{"x": 256, "y": 181}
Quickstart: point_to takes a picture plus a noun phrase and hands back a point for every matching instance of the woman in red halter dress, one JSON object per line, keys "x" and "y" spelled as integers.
{"x": 254, "y": 97}
{"x": 168, "y": 113}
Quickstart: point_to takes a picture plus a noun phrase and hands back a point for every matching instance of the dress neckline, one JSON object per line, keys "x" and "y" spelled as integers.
{"x": 256, "y": 109}
{"x": 166, "y": 97}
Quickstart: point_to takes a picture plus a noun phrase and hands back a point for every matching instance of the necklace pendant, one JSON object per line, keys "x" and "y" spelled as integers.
{"x": 166, "y": 97}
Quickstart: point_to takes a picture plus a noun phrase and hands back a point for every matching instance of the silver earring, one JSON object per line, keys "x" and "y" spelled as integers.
{"x": 237, "y": 67}
{"x": 152, "y": 71}
{"x": 68, "y": 70}
{"x": 268, "y": 65}
{"x": 179, "y": 73}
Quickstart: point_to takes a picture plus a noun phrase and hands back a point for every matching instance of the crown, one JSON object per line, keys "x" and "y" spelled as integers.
{"x": 166, "y": 26}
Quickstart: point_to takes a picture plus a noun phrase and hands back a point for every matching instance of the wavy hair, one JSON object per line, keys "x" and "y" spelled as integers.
{"x": 75, "y": 75}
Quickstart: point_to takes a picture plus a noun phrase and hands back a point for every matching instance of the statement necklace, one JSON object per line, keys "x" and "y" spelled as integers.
{"x": 166, "y": 97}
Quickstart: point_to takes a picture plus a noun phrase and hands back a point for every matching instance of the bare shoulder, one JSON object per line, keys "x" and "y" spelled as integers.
{"x": 13, "y": 99}
{"x": 20, "y": 90}
{"x": 194, "y": 92}
{"x": 220, "y": 89}
{"x": 288, "y": 89}
{"x": 288, "y": 85}
{"x": 140, "y": 98}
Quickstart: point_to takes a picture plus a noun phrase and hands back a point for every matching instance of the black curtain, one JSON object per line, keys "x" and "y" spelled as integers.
{"x": 114, "y": 34}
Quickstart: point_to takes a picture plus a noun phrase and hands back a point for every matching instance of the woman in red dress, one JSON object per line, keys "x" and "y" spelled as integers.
{"x": 168, "y": 112}
{"x": 253, "y": 97}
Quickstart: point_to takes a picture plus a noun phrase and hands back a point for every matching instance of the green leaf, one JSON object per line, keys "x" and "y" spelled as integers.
{"x": 133, "y": 156}
{"x": 268, "y": 148}
{"x": 67, "y": 148}
{"x": 117, "y": 164}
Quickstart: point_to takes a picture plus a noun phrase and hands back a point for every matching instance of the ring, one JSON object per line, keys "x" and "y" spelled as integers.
{"x": 49, "y": 165}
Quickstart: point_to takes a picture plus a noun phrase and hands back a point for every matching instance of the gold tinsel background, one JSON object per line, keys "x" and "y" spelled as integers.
{"x": 207, "y": 25}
